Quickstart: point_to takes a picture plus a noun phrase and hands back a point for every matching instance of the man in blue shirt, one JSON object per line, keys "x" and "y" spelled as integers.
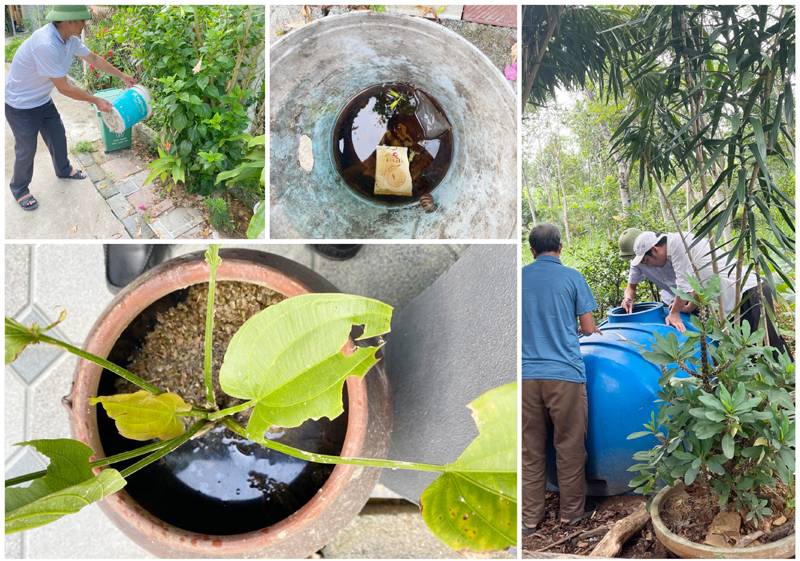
{"x": 41, "y": 64}
{"x": 553, "y": 378}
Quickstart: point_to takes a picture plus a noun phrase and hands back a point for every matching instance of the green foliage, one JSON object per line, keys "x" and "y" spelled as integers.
{"x": 83, "y": 147}
{"x": 144, "y": 416}
{"x": 252, "y": 166}
{"x": 11, "y": 48}
{"x": 68, "y": 485}
{"x": 473, "y": 505}
{"x": 193, "y": 59}
{"x": 101, "y": 41}
{"x": 730, "y": 424}
{"x": 299, "y": 374}
{"x": 258, "y": 223}
{"x": 219, "y": 215}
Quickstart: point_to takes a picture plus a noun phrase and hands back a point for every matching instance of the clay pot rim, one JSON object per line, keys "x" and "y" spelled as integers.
{"x": 665, "y": 536}
{"x": 166, "y": 278}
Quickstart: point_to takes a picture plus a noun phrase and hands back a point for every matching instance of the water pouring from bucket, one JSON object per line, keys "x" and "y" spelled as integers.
{"x": 131, "y": 106}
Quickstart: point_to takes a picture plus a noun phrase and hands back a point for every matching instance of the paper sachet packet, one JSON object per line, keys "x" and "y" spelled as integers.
{"x": 392, "y": 175}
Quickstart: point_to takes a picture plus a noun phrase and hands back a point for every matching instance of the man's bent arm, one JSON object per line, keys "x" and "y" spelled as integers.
{"x": 587, "y": 324}
{"x": 629, "y": 297}
{"x": 65, "y": 88}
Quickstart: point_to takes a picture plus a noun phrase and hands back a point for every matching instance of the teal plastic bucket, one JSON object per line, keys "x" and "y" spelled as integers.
{"x": 133, "y": 105}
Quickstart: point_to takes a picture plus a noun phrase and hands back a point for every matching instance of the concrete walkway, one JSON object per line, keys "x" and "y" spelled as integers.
{"x": 111, "y": 203}
{"x": 67, "y": 208}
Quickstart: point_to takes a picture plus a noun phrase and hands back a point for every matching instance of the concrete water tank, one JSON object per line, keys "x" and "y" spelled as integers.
{"x": 316, "y": 69}
{"x": 622, "y": 388}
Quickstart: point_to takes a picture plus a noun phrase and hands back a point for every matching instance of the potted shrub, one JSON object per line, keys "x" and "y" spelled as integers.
{"x": 727, "y": 431}
{"x": 485, "y": 474}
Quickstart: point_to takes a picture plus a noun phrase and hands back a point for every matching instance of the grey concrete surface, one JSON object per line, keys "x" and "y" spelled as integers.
{"x": 72, "y": 275}
{"x": 64, "y": 204}
{"x": 451, "y": 344}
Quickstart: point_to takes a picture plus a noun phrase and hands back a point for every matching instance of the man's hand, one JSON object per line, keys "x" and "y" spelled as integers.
{"x": 102, "y": 104}
{"x": 674, "y": 319}
{"x": 129, "y": 80}
{"x": 627, "y": 304}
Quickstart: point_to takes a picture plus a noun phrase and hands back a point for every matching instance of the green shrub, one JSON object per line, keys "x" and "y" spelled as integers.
{"x": 219, "y": 216}
{"x": 83, "y": 147}
{"x": 730, "y": 424}
{"x": 192, "y": 59}
{"x": 11, "y": 48}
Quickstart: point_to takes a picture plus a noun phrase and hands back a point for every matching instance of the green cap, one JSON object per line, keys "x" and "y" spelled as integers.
{"x": 626, "y": 240}
{"x": 69, "y": 13}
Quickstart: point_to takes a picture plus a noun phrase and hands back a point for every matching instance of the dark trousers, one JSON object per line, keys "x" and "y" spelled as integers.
{"x": 751, "y": 311}
{"x": 564, "y": 406}
{"x": 26, "y": 124}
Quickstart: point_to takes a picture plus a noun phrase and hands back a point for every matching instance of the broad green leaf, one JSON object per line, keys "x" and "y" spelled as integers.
{"x": 258, "y": 223}
{"x": 289, "y": 360}
{"x": 639, "y": 434}
{"x": 144, "y": 416}
{"x": 727, "y": 445}
{"x": 68, "y": 486}
{"x": 19, "y": 336}
{"x": 473, "y": 505}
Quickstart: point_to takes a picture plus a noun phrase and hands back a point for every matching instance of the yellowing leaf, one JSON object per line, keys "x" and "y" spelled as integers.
{"x": 288, "y": 358}
{"x": 143, "y": 416}
{"x": 473, "y": 505}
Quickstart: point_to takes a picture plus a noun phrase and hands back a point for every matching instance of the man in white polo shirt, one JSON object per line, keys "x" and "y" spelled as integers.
{"x": 658, "y": 256}
{"x": 40, "y": 64}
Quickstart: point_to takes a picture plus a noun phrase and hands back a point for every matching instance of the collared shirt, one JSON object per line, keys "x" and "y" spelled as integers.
{"x": 553, "y": 296}
{"x": 42, "y": 56}
{"x": 662, "y": 277}
{"x": 680, "y": 264}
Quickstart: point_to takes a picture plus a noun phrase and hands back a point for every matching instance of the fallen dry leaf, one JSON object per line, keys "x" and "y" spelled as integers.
{"x": 305, "y": 11}
{"x": 103, "y": 186}
{"x": 95, "y": 237}
{"x": 75, "y": 229}
{"x": 428, "y": 11}
{"x": 514, "y": 53}
{"x": 293, "y": 25}
{"x": 139, "y": 233}
{"x": 116, "y": 235}
{"x": 206, "y": 232}
{"x": 98, "y": 218}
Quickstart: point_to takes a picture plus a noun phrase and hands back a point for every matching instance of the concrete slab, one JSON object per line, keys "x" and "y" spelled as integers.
{"x": 383, "y": 528}
{"x": 126, "y": 187}
{"x": 95, "y": 173}
{"x": 145, "y": 196}
{"x": 85, "y": 159}
{"x": 120, "y": 206}
{"x": 46, "y": 394}
{"x": 18, "y": 271}
{"x": 63, "y": 203}
{"x": 120, "y": 168}
{"x": 106, "y": 188}
{"x": 14, "y": 400}
{"x": 176, "y": 222}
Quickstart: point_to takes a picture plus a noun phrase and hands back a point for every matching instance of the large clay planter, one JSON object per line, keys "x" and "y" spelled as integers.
{"x": 781, "y": 549}
{"x": 340, "y": 498}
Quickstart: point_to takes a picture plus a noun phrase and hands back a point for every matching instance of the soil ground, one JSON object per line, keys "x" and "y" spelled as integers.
{"x": 240, "y": 213}
{"x": 588, "y": 533}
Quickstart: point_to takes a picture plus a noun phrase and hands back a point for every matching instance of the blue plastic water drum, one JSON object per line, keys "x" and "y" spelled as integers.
{"x": 622, "y": 388}
{"x": 133, "y": 105}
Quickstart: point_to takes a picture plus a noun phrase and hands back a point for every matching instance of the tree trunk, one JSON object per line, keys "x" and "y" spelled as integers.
{"x": 528, "y": 193}
{"x": 623, "y": 166}
{"x": 541, "y": 44}
{"x": 563, "y": 191}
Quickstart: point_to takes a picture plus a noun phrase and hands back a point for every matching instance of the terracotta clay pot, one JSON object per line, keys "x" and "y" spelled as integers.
{"x": 781, "y": 549}
{"x": 339, "y": 499}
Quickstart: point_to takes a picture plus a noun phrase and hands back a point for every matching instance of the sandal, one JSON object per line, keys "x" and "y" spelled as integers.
{"x": 28, "y": 202}
{"x": 78, "y": 175}
{"x": 528, "y": 530}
